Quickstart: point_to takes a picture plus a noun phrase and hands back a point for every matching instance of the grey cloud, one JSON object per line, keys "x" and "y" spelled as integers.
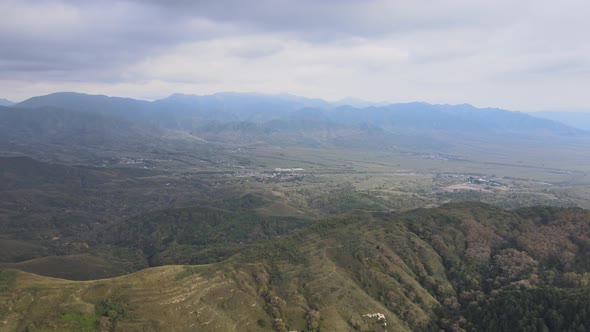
{"x": 552, "y": 68}
{"x": 101, "y": 37}
{"x": 256, "y": 51}
{"x": 323, "y": 20}
{"x": 475, "y": 46}
{"x": 110, "y": 33}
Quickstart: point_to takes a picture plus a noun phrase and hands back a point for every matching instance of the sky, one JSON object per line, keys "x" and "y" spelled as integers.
{"x": 521, "y": 55}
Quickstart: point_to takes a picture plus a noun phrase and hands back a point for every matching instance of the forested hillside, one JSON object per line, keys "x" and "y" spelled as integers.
{"x": 463, "y": 266}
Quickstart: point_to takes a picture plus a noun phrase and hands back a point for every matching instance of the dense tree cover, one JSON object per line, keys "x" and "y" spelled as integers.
{"x": 492, "y": 260}
{"x": 521, "y": 270}
{"x": 531, "y": 310}
{"x": 115, "y": 308}
{"x": 195, "y": 235}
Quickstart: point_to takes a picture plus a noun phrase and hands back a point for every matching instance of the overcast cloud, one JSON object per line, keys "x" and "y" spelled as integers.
{"x": 525, "y": 55}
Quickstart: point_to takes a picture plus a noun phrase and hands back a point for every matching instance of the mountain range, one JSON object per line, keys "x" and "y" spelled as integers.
{"x": 256, "y": 118}
{"x": 178, "y": 109}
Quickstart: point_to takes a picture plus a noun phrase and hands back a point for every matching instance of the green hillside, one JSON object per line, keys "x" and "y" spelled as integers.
{"x": 429, "y": 269}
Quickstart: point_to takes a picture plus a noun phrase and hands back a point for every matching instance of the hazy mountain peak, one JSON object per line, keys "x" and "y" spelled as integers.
{"x": 358, "y": 102}
{"x": 181, "y": 96}
{"x": 6, "y": 102}
{"x": 59, "y": 98}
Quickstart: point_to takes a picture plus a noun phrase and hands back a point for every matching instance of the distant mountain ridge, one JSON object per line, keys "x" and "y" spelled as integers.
{"x": 126, "y": 124}
{"x": 86, "y": 103}
{"x": 180, "y": 110}
{"x": 580, "y": 120}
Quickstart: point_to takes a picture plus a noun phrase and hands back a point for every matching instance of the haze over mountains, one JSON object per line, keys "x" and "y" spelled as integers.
{"x": 250, "y": 117}
{"x": 48, "y": 127}
{"x": 578, "y": 119}
{"x": 263, "y": 108}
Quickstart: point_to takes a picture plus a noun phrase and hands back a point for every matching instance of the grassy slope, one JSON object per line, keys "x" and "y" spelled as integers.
{"x": 286, "y": 279}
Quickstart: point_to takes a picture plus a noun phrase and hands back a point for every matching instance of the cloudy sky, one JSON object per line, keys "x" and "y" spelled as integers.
{"x": 523, "y": 55}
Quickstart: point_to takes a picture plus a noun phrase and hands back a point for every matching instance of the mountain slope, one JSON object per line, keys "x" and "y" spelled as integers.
{"x": 579, "y": 120}
{"x": 63, "y": 126}
{"x": 420, "y": 270}
{"x": 451, "y": 118}
{"x": 237, "y": 106}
